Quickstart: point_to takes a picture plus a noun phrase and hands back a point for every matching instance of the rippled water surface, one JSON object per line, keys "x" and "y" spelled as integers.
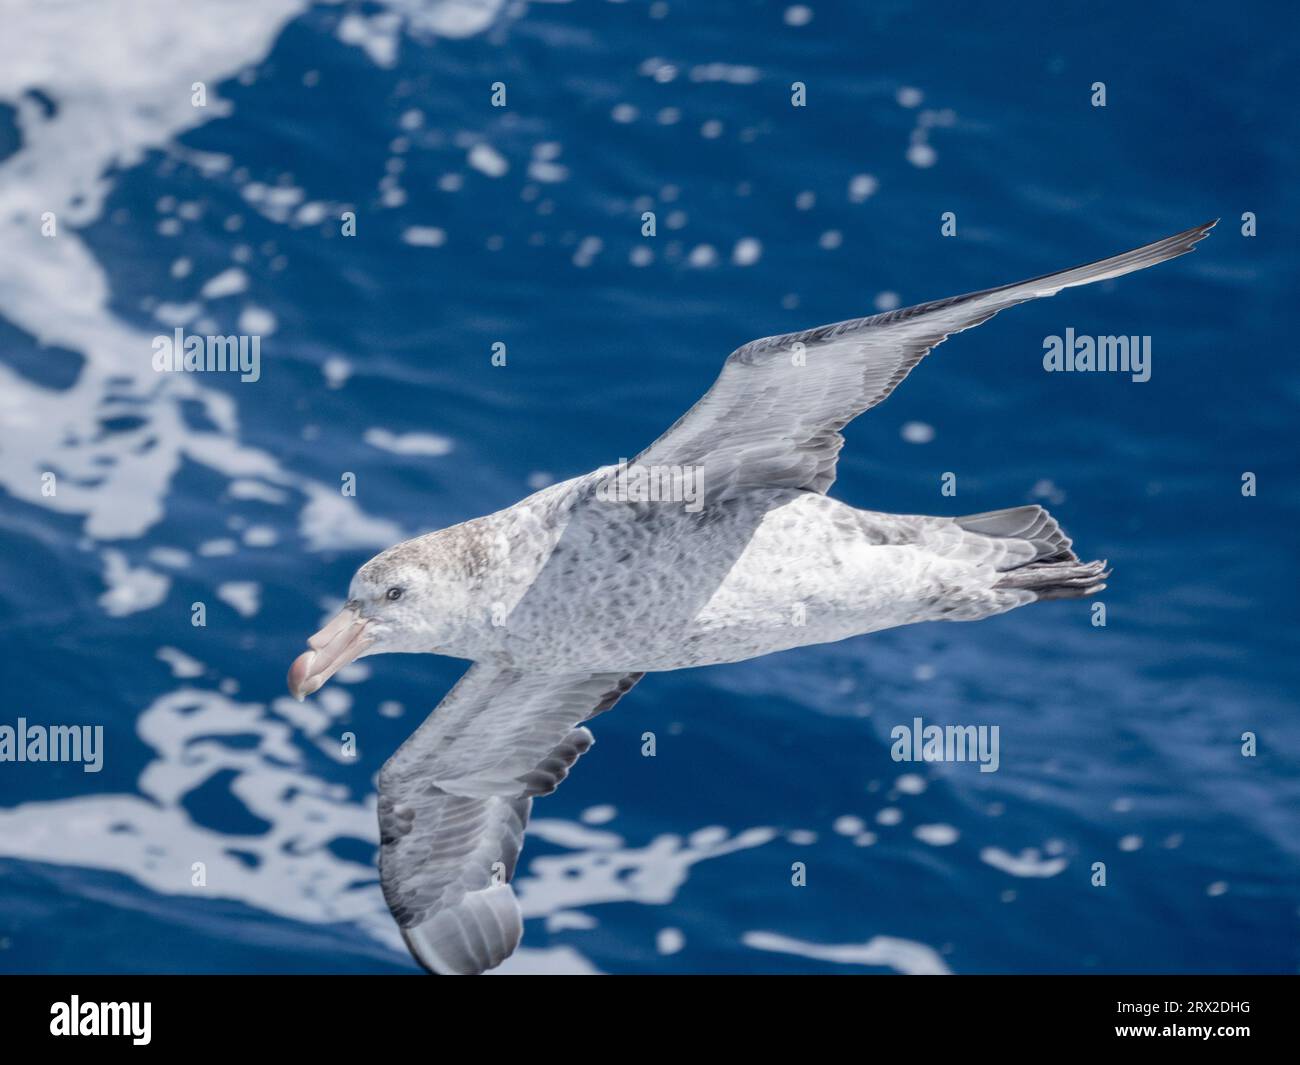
{"x": 521, "y": 226}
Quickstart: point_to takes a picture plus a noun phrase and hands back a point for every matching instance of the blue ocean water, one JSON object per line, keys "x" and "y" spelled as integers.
{"x": 522, "y": 226}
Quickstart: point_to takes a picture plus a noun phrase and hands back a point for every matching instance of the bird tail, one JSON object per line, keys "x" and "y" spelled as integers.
{"x": 1057, "y": 580}
{"x": 1055, "y": 571}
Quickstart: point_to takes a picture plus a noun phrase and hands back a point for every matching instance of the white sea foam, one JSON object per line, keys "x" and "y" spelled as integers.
{"x": 936, "y": 835}
{"x": 408, "y": 443}
{"x": 130, "y": 589}
{"x": 244, "y": 596}
{"x": 599, "y": 815}
{"x": 424, "y": 236}
{"x": 227, "y": 283}
{"x": 182, "y": 665}
{"x": 901, "y": 955}
{"x": 1028, "y": 863}
{"x": 54, "y": 289}
{"x": 487, "y": 160}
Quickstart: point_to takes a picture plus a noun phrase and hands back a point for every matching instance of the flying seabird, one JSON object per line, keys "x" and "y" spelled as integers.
{"x": 565, "y": 600}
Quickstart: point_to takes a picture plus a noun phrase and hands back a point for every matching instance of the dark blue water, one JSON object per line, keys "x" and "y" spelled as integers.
{"x": 1120, "y": 744}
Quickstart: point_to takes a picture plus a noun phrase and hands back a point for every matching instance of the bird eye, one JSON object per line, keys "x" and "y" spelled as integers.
{"x": 394, "y": 593}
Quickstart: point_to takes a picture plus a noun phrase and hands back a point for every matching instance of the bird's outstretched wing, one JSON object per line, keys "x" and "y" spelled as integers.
{"x": 774, "y": 415}
{"x": 454, "y": 800}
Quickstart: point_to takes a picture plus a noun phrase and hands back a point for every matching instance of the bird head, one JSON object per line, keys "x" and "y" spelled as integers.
{"x": 390, "y": 607}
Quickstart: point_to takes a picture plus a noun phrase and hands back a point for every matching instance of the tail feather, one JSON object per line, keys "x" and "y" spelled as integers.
{"x": 1054, "y": 571}
{"x": 1030, "y": 523}
{"x": 1057, "y": 580}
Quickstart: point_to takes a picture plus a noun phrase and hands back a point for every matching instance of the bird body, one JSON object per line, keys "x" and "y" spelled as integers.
{"x": 566, "y": 599}
{"x": 564, "y": 581}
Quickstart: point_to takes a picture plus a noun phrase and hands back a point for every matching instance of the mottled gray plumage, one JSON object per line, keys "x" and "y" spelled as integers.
{"x": 565, "y": 599}
{"x": 454, "y": 800}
